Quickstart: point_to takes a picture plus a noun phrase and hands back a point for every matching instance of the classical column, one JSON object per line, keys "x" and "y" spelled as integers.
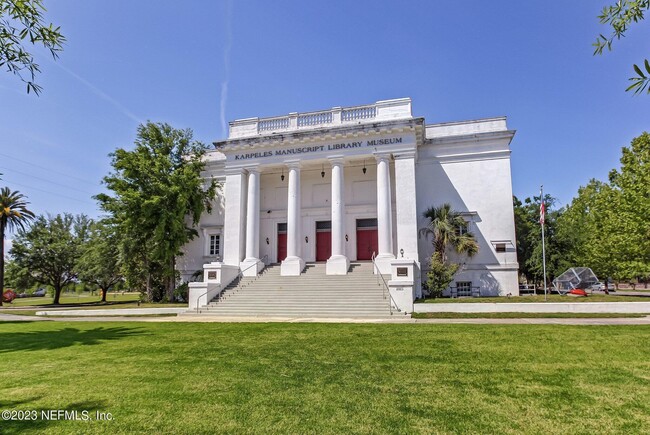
{"x": 338, "y": 263}
{"x": 252, "y": 264}
{"x": 384, "y": 215}
{"x": 293, "y": 265}
{"x": 234, "y": 212}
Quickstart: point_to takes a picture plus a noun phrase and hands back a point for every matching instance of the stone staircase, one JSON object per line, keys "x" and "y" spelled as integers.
{"x": 312, "y": 294}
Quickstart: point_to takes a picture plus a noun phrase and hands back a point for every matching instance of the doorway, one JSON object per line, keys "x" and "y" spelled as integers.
{"x": 282, "y": 242}
{"x": 323, "y": 240}
{"x": 367, "y": 238}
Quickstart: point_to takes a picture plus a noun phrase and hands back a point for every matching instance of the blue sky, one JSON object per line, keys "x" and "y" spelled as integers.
{"x": 183, "y": 62}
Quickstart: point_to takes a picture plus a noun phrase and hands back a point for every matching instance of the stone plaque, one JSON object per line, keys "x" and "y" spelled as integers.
{"x": 212, "y": 274}
{"x": 402, "y": 271}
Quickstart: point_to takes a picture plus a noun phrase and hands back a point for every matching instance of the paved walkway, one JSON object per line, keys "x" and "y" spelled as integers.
{"x": 405, "y": 319}
{"x": 112, "y": 312}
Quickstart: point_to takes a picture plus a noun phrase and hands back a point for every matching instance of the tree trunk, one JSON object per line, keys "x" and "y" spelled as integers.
{"x": 171, "y": 280}
{"x": 149, "y": 293}
{"x": 104, "y": 291}
{"x": 2, "y": 262}
{"x": 57, "y": 294}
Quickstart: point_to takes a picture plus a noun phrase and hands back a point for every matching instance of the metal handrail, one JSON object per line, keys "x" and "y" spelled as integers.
{"x": 239, "y": 276}
{"x": 385, "y": 288}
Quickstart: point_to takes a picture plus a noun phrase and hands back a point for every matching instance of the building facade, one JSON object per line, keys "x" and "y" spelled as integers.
{"x": 351, "y": 184}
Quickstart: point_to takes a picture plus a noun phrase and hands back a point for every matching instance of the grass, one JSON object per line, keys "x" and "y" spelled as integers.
{"x": 33, "y": 313}
{"x": 540, "y": 298}
{"x": 524, "y": 315}
{"x": 86, "y": 301}
{"x": 327, "y": 378}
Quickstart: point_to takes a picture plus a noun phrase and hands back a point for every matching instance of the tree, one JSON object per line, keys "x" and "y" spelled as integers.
{"x": 606, "y": 226}
{"x": 633, "y": 184}
{"x": 22, "y": 20}
{"x": 158, "y": 198}
{"x": 13, "y": 215}
{"x": 17, "y": 278}
{"x": 448, "y": 230}
{"x": 100, "y": 260}
{"x": 50, "y": 248}
{"x": 588, "y": 226}
{"x": 620, "y": 16}
{"x": 529, "y": 239}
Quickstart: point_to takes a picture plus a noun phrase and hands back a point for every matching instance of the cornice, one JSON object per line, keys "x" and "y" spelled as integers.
{"x": 474, "y": 137}
{"x": 414, "y": 125}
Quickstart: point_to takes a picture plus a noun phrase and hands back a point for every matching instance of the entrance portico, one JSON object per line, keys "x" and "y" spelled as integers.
{"x": 318, "y": 184}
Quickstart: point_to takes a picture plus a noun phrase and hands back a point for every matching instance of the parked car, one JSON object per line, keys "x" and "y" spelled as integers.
{"x": 599, "y": 286}
{"x": 40, "y": 292}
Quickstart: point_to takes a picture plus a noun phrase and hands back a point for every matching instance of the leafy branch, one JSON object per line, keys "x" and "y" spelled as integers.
{"x": 20, "y": 21}
{"x": 620, "y": 16}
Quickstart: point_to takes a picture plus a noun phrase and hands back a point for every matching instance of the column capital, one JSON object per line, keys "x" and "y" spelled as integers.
{"x": 293, "y": 164}
{"x": 382, "y": 157}
{"x": 336, "y": 160}
{"x": 253, "y": 168}
{"x": 234, "y": 171}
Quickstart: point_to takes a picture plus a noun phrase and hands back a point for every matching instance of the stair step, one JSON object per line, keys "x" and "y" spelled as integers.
{"x": 312, "y": 294}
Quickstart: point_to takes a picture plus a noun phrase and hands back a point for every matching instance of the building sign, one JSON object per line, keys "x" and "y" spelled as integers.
{"x": 340, "y": 146}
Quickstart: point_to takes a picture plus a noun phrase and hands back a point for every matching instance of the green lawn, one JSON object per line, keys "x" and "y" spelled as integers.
{"x": 540, "y": 298}
{"x": 86, "y": 301}
{"x": 524, "y": 315}
{"x": 328, "y": 378}
{"x": 74, "y": 299}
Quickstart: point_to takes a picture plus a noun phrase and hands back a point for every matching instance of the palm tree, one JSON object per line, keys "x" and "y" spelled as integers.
{"x": 13, "y": 214}
{"x": 448, "y": 230}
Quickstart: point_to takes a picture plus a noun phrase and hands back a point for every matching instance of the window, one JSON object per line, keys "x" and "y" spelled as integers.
{"x": 464, "y": 288}
{"x": 212, "y": 241}
{"x": 323, "y": 226}
{"x": 500, "y": 247}
{"x": 367, "y": 223}
{"x": 462, "y": 229}
{"x": 213, "y": 244}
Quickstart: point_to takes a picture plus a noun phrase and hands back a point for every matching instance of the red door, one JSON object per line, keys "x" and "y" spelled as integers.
{"x": 323, "y": 245}
{"x": 282, "y": 242}
{"x": 367, "y": 243}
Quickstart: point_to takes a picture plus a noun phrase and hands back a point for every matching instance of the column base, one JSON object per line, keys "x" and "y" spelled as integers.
{"x": 337, "y": 265}
{"x": 248, "y": 268}
{"x": 292, "y": 266}
{"x": 383, "y": 264}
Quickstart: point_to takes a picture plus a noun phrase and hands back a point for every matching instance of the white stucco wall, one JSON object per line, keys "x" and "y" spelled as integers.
{"x": 474, "y": 177}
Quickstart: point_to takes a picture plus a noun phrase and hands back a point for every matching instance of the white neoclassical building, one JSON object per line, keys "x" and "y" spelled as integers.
{"x": 350, "y": 185}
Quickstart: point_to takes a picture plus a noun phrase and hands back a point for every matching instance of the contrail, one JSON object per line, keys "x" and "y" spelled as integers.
{"x": 101, "y": 94}
{"x": 226, "y": 59}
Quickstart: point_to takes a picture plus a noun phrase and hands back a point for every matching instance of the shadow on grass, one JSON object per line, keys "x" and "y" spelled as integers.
{"x": 51, "y": 418}
{"x": 60, "y": 338}
{"x": 72, "y": 304}
{"x": 11, "y": 404}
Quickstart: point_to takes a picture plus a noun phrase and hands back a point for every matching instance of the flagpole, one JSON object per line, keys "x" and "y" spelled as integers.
{"x": 542, "y": 221}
